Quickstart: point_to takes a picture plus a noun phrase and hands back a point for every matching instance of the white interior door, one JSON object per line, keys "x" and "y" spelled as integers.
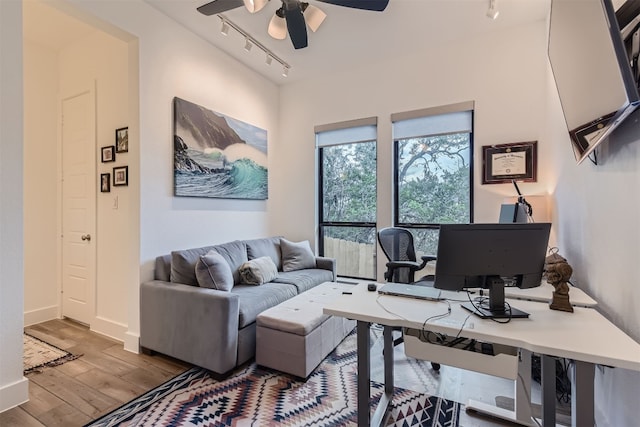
{"x": 78, "y": 207}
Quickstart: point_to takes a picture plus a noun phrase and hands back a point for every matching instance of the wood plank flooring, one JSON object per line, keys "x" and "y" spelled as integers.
{"x": 79, "y": 391}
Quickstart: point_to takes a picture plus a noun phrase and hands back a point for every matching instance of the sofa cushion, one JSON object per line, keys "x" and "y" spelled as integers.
{"x": 253, "y": 300}
{"x": 304, "y": 280}
{"x": 183, "y": 263}
{"x": 213, "y": 271}
{"x": 236, "y": 254}
{"x": 296, "y": 255}
{"x": 258, "y": 271}
{"x": 269, "y": 246}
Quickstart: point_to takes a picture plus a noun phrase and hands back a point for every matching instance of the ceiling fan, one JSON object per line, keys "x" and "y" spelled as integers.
{"x": 293, "y": 16}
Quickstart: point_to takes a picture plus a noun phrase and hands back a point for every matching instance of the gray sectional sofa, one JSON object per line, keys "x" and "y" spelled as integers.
{"x": 211, "y": 326}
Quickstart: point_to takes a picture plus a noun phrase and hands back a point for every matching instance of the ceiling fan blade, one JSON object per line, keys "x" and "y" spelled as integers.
{"x": 295, "y": 23}
{"x": 376, "y": 5}
{"x": 219, "y": 6}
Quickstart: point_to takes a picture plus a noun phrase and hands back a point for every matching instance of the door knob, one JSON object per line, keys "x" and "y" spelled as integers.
{"x": 86, "y": 237}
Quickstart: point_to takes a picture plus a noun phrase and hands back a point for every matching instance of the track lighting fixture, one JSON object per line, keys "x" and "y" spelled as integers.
{"x": 225, "y": 28}
{"x": 249, "y": 42}
{"x": 248, "y": 45}
{"x": 493, "y": 11}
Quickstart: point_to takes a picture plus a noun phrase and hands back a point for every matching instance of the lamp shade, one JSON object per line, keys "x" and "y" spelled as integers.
{"x": 314, "y": 16}
{"x": 277, "y": 28}
{"x": 254, "y": 6}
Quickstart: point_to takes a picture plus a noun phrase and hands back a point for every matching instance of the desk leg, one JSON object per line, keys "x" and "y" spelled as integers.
{"x": 364, "y": 376}
{"x": 582, "y": 389}
{"x": 548, "y": 376}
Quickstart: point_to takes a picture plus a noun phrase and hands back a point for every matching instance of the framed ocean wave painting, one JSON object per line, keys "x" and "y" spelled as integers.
{"x": 216, "y": 155}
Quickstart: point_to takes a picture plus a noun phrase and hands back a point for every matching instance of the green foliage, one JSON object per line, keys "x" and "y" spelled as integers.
{"x": 349, "y": 182}
{"x": 433, "y": 186}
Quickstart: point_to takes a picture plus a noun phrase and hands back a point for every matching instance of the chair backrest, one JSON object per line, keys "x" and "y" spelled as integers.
{"x": 397, "y": 245}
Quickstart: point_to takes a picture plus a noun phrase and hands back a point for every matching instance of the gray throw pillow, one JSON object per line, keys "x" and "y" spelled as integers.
{"x": 296, "y": 256}
{"x": 258, "y": 271}
{"x": 213, "y": 271}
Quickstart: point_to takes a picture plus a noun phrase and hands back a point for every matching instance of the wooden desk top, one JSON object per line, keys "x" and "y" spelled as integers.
{"x": 584, "y": 335}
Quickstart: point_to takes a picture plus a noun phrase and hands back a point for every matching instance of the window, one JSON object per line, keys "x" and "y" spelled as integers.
{"x": 433, "y": 171}
{"x": 347, "y": 191}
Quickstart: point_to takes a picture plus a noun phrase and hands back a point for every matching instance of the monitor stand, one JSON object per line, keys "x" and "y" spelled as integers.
{"x": 497, "y": 308}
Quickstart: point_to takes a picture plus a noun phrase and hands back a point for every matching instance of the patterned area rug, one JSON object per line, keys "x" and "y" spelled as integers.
{"x": 255, "y": 396}
{"x": 39, "y": 354}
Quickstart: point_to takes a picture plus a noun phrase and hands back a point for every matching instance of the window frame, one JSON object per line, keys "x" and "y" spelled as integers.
{"x": 322, "y": 224}
{"x": 395, "y": 166}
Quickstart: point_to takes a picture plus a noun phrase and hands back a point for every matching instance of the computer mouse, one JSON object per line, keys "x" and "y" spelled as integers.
{"x": 372, "y": 287}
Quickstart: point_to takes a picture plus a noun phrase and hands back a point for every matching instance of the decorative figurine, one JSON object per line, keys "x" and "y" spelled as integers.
{"x": 558, "y": 273}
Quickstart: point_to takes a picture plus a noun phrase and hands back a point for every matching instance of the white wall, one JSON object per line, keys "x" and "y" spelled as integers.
{"x": 506, "y": 84}
{"x": 596, "y": 217}
{"x": 13, "y": 385}
{"x": 41, "y": 254}
{"x": 171, "y": 62}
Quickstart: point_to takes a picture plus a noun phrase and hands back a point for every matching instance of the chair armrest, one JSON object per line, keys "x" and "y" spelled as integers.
{"x": 325, "y": 263}
{"x": 427, "y": 258}
{"x": 197, "y": 325}
{"x": 413, "y": 265}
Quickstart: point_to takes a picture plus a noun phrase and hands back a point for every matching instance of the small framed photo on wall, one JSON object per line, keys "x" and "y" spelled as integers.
{"x": 122, "y": 140}
{"x": 120, "y": 176}
{"x": 105, "y": 182}
{"x": 108, "y": 154}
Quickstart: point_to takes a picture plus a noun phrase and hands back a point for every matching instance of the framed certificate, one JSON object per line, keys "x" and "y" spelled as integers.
{"x": 506, "y": 162}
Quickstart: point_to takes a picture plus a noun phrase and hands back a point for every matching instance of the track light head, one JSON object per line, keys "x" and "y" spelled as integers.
{"x": 225, "y": 28}
{"x": 493, "y": 11}
{"x": 285, "y": 71}
{"x": 248, "y": 45}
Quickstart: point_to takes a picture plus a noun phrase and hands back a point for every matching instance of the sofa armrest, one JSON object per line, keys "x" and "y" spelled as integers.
{"x": 325, "y": 263}
{"x": 197, "y": 325}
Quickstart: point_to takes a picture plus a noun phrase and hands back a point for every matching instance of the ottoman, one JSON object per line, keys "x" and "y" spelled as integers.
{"x": 295, "y": 336}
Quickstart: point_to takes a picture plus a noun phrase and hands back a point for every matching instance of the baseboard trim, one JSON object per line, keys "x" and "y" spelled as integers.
{"x": 14, "y": 394}
{"x": 132, "y": 342}
{"x": 41, "y": 315}
{"x": 109, "y": 328}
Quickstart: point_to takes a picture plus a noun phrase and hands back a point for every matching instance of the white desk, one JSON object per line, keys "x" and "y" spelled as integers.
{"x": 578, "y": 336}
{"x": 544, "y": 293}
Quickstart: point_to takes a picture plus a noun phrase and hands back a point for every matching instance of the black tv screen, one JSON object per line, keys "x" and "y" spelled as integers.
{"x": 592, "y": 71}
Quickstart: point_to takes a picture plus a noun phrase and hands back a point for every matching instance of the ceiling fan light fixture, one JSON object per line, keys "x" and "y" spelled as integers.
{"x": 254, "y": 6}
{"x": 278, "y": 26}
{"x": 313, "y": 16}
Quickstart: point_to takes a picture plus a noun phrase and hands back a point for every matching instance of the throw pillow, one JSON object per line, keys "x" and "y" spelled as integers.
{"x": 213, "y": 271}
{"x": 258, "y": 271}
{"x": 296, "y": 256}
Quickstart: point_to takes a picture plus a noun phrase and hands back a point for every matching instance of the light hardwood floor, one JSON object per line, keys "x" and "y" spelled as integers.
{"x": 104, "y": 378}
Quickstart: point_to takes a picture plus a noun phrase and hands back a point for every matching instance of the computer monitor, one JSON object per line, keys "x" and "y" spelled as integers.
{"x": 513, "y": 212}
{"x": 487, "y": 255}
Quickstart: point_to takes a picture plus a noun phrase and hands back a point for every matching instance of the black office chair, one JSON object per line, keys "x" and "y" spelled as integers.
{"x": 397, "y": 245}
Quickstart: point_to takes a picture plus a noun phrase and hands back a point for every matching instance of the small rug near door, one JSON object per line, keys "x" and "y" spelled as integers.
{"x": 255, "y": 396}
{"x": 38, "y": 354}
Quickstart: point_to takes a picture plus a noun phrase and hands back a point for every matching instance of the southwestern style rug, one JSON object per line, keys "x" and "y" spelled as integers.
{"x": 255, "y": 396}
{"x": 38, "y": 354}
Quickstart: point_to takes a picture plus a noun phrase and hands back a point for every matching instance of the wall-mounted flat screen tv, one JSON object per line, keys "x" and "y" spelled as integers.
{"x": 592, "y": 70}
